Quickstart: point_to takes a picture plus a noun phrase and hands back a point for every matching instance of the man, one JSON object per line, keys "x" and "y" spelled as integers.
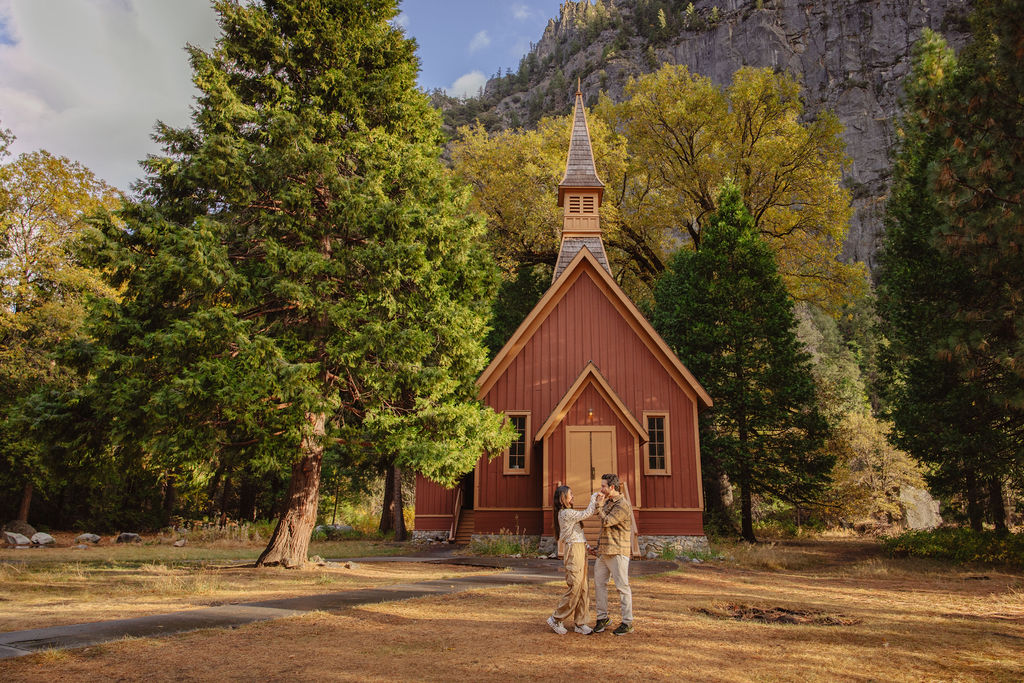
{"x": 613, "y": 550}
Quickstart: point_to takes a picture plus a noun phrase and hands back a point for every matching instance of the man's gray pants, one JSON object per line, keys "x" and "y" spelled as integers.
{"x": 617, "y": 567}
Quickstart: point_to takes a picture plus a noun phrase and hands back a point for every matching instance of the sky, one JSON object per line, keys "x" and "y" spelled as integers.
{"x": 88, "y": 79}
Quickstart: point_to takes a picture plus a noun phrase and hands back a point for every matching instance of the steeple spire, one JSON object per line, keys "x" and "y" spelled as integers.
{"x": 580, "y": 192}
{"x": 579, "y": 166}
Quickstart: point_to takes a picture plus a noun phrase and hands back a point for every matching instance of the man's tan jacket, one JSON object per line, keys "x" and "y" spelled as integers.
{"x": 616, "y": 527}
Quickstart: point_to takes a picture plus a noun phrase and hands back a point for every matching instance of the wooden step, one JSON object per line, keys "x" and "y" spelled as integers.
{"x": 466, "y": 527}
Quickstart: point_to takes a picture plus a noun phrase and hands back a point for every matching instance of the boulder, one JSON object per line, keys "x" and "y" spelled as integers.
{"x": 39, "y": 538}
{"x": 920, "y": 510}
{"x": 19, "y": 527}
{"x": 87, "y": 538}
{"x": 13, "y": 539}
{"x": 129, "y": 538}
{"x": 180, "y": 543}
{"x": 80, "y": 546}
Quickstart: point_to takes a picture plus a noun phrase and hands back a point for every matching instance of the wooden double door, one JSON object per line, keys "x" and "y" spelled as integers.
{"x": 590, "y": 452}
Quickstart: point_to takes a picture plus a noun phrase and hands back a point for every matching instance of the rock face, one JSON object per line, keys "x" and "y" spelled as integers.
{"x": 920, "y": 510}
{"x": 850, "y": 55}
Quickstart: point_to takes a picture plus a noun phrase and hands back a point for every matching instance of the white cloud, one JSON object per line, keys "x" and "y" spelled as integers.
{"x": 402, "y": 20}
{"x": 467, "y": 85}
{"x": 479, "y": 41}
{"x": 88, "y": 80}
{"x": 521, "y": 12}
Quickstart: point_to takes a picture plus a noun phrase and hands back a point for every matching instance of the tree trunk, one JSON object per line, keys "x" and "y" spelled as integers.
{"x": 170, "y": 495}
{"x": 26, "y": 501}
{"x": 399, "y": 506}
{"x": 747, "y": 507}
{"x": 247, "y": 498}
{"x": 996, "y": 505}
{"x": 224, "y": 501}
{"x": 387, "y": 510}
{"x": 289, "y": 546}
{"x": 975, "y": 512}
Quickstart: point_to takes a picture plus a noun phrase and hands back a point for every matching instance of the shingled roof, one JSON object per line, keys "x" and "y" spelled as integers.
{"x": 579, "y": 168}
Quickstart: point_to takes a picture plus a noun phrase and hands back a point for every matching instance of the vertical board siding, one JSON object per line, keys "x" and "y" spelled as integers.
{"x": 585, "y": 326}
{"x": 675, "y": 523}
{"x": 432, "y": 498}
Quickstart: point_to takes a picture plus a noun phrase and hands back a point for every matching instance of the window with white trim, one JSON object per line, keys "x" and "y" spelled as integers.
{"x": 517, "y": 457}
{"x": 658, "y": 460}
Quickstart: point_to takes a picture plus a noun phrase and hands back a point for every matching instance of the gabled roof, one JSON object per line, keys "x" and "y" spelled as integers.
{"x": 586, "y": 265}
{"x": 580, "y": 171}
{"x": 591, "y": 376}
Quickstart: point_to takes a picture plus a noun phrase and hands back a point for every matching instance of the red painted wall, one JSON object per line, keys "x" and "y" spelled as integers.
{"x": 583, "y": 327}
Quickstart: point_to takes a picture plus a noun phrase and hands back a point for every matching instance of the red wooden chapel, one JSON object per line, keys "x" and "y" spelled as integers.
{"x": 591, "y": 388}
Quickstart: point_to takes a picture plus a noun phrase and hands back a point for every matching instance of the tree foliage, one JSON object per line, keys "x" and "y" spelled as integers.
{"x": 948, "y": 315}
{"x": 691, "y": 135}
{"x": 301, "y": 276}
{"x": 44, "y": 203}
{"x": 663, "y": 153}
{"x": 725, "y": 311}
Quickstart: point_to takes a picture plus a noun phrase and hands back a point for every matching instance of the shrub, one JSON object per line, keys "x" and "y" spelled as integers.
{"x": 959, "y": 545}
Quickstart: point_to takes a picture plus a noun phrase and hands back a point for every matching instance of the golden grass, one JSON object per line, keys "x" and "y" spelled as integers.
{"x": 913, "y": 623}
{"x": 39, "y": 588}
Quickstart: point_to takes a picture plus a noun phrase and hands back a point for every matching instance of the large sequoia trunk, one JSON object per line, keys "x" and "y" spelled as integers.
{"x": 289, "y": 546}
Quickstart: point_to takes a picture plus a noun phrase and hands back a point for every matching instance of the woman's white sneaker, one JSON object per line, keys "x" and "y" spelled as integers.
{"x": 556, "y": 626}
{"x": 584, "y": 629}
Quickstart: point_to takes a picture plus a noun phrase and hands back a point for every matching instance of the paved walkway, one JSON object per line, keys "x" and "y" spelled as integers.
{"x": 522, "y": 571}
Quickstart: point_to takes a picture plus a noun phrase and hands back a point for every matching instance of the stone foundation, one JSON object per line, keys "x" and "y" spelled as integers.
{"x": 652, "y": 546}
{"x": 424, "y": 536}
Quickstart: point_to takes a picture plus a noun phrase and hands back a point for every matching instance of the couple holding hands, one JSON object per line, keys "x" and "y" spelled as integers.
{"x": 612, "y": 558}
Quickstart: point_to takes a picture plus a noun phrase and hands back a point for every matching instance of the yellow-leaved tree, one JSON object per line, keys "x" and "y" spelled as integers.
{"x": 663, "y": 153}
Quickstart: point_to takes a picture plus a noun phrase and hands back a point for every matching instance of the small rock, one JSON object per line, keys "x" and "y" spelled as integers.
{"x": 87, "y": 538}
{"x": 40, "y": 538}
{"x": 180, "y": 543}
{"x": 695, "y": 560}
{"x": 19, "y": 527}
{"x": 651, "y": 555}
{"x": 13, "y": 539}
{"x": 129, "y": 538}
{"x": 80, "y": 546}
{"x": 350, "y": 565}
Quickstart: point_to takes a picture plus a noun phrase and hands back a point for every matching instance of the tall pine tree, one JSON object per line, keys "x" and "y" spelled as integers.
{"x": 725, "y": 311}
{"x": 949, "y": 281}
{"x": 300, "y": 273}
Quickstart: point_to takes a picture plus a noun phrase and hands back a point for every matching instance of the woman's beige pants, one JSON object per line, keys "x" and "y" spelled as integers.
{"x": 575, "y": 603}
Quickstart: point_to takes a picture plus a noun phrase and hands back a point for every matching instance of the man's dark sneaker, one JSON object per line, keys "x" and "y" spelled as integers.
{"x": 623, "y": 629}
{"x": 601, "y": 625}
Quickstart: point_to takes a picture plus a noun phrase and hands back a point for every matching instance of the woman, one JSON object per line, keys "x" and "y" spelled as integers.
{"x": 575, "y": 602}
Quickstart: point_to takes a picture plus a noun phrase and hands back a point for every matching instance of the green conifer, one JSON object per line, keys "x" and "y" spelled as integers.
{"x": 300, "y": 272}
{"x": 725, "y": 311}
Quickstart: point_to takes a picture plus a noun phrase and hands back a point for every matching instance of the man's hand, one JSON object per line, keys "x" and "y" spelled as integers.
{"x": 600, "y": 498}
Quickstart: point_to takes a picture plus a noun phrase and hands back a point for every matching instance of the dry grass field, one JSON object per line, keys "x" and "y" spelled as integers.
{"x": 901, "y": 620}
{"x": 53, "y": 586}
